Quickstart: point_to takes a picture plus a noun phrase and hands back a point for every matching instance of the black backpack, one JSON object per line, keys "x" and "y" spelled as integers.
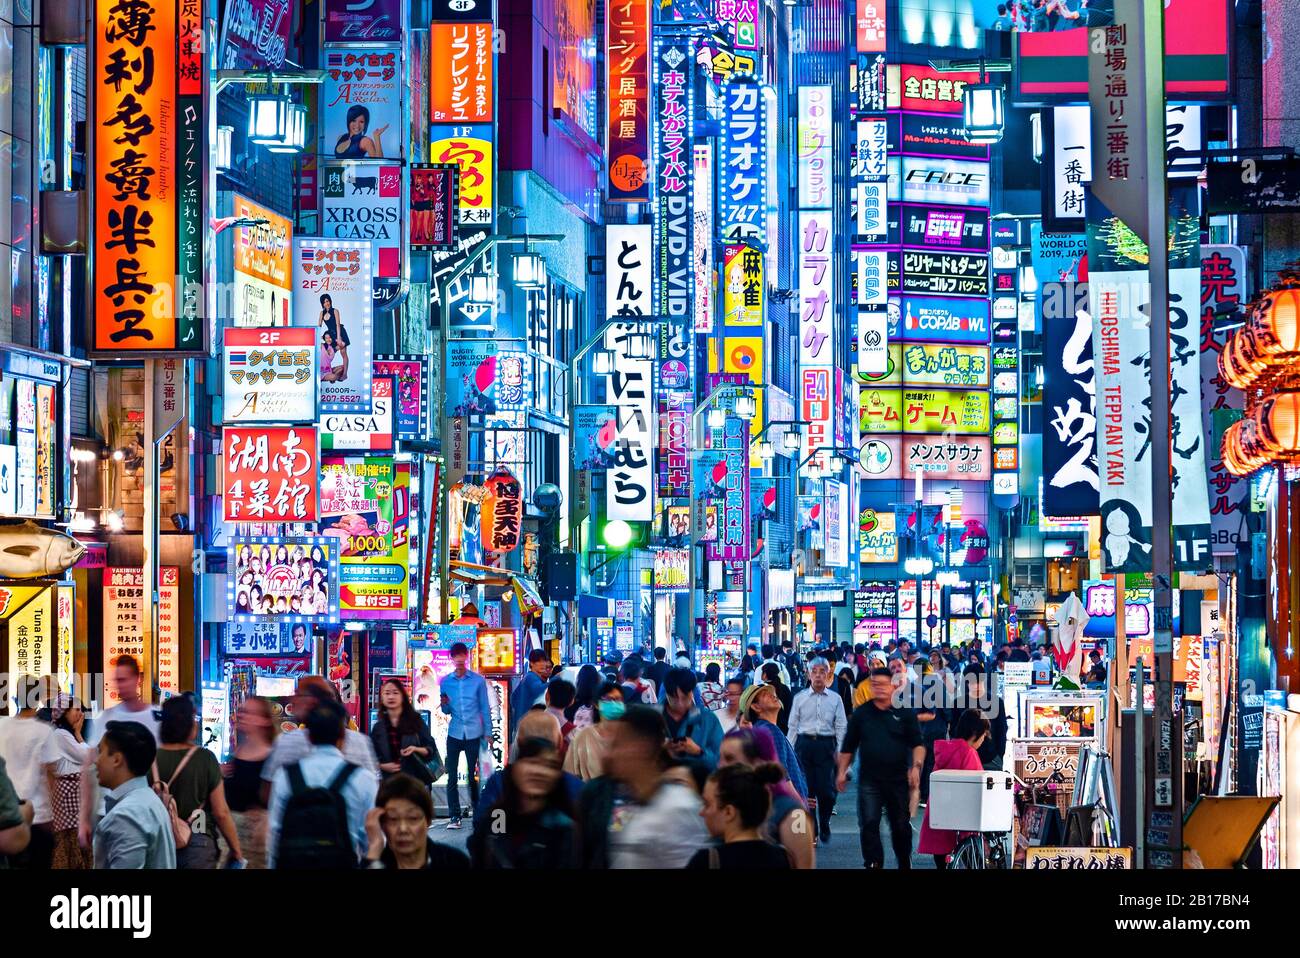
{"x": 314, "y": 831}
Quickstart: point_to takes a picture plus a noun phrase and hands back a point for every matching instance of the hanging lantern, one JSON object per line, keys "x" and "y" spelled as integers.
{"x": 1239, "y": 363}
{"x": 1275, "y": 323}
{"x": 502, "y": 512}
{"x": 1277, "y": 424}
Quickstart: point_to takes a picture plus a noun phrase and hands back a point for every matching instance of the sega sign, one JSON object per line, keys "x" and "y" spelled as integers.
{"x": 945, "y": 182}
{"x": 942, "y": 319}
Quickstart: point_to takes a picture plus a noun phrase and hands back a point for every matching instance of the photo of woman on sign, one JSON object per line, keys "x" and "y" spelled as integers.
{"x": 335, "y": 336}
{"x": 354, "y": 144}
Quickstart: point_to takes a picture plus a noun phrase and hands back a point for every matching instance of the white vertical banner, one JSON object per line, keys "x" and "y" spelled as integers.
{"x": 630, "y": 478}
{"x": 627, "y": 270}
{"x": 813, "y": 150}
{"x": 816, "y": 289}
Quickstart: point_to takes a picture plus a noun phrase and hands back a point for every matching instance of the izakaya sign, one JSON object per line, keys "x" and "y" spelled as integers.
{"x": 269, "y": 474}
{"x": 332, "y": 293}
{"x": 742, "y": 172}
{"x": 269, "y": 375}
{"x": 149, "y": 216}
{"x": 627, "y": 36}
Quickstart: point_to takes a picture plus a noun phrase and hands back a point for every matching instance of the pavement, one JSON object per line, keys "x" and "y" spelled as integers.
{"x": 843, "y": 851}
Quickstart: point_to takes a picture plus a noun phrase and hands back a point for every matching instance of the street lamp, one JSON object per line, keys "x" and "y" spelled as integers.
{"x": 225, "y": 147}
{"x": 482, "y": 293}
{"x": 717, "y": 418}
{"x": 602, "y": 363}
{"x": 296, "y": 135}
{"x": 268, "y": 119}
{"x": 530, "y": 271}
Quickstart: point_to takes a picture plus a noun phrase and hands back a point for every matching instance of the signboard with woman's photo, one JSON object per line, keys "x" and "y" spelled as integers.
{"x": 282, "y": 580}
{"x": 362, "y": 103}
{"x": 1043, "y": 16}
{"x": 332, "y": 293}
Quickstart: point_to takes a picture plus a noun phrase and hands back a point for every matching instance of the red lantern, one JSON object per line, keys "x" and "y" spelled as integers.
{"x": 1235, "y": 375}
{"x": 502, "y": 512}
{"x": 1277, "y": 421}
{"x": 1276, "y": 324}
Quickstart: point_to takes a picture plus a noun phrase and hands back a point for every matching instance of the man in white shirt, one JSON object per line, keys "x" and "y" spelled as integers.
{"x": 769, "y": 656}
{"x": 133, "y": 707}
{"x": 296, "y": 745}
{"x": 817, "y": 726}
{"x": 324, "y": 766}
{"x": 25, "y": 743}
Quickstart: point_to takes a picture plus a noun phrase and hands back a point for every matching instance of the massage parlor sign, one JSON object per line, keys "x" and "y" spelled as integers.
{"x": 149, "y": 153}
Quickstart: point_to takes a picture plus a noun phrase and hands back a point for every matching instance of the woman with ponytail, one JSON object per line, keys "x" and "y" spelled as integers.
{"x": 737, "y": 802}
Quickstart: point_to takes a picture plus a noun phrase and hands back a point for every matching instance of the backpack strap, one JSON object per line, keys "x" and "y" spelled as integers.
{"x": 341, "y": 777}
{"x": 297, "y": 784}
{"x": 185, "y": 761}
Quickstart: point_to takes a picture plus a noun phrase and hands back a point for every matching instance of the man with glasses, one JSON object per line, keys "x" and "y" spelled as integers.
{"x": 817, "y": 725}
{"x": 729, "y": 717}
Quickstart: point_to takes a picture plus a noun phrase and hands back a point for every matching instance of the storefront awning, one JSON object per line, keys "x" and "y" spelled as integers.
{"x": 527, "y": 594}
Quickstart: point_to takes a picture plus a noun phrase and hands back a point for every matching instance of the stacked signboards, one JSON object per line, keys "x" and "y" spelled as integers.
{"x": 924, "y": 402}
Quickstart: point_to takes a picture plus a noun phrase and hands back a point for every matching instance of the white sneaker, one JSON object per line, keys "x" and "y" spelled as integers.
{"x": 454, "y": 823}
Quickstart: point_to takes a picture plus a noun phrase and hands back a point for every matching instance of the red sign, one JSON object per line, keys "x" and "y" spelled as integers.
{"x": 871, "y": 26}
{"x": 628, "y": 56}
{"x": 924, "y": 89}
{"x": 434, "y": 199}
{"x": 502, "y": 512}
{"x": 1198, "y": 58}
{"x": 270, "y": 474}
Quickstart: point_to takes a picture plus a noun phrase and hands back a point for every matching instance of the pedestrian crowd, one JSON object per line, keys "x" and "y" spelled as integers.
{"x": 639, "y": 762}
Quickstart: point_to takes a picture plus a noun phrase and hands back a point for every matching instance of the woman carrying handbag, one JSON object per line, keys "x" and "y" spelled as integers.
{"x": 401, "y": 738}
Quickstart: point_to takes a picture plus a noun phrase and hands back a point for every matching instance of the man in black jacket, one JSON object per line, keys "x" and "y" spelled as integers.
{"x": 655, "y": 673}
{"x": 890, "y": 757}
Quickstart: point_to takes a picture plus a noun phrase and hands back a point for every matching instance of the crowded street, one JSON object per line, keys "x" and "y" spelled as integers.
{"x": 629, "y": 436}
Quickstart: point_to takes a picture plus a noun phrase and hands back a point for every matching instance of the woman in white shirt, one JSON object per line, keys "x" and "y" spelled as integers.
{"x": 70, "y": 757}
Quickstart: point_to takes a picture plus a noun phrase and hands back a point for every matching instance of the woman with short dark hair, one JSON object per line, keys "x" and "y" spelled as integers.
{"x": 193, "y": 779}
{"x": 401, "y": 738}
{"x": 398, "y": 830}
{"x": 531, "y": 825}
{"x": 737, "y": 802}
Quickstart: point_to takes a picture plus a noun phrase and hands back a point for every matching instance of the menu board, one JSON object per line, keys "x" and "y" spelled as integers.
{"x": 124, "y": 626}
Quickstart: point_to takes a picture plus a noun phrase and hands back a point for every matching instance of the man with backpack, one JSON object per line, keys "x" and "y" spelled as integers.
{"x": 317, "y": 813}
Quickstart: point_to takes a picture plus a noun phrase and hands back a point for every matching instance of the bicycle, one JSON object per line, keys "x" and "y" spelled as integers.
{"x": 991, "y": 851}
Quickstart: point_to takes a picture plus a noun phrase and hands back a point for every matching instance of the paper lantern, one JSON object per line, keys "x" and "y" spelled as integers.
{"x": 1275, "y": 323}
{"x": 501, "y": 512}
{"x": 1277, "y": 423}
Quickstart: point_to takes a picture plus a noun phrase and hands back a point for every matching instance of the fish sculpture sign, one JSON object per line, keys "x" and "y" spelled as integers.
{"x": 29, "y": 551}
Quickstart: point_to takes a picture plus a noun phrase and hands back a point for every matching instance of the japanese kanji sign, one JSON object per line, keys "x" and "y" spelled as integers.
{"x": 502, "y": 512}
{"x": 435, "y": 202}
{"x": 361, "y": 102}
{"x": 269, "y": 474}
{"x": 147, "y": 173}
{"x": 1069, "y": 407}
{"x": 269, "y": 375}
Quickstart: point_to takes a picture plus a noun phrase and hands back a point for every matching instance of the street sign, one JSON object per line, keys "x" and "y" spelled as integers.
{"x": 1254, "y": 186}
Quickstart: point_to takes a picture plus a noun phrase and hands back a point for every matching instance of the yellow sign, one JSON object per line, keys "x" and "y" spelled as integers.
{"x": 877, "y": 536}
{"x": 1089, "y": 859}
{"x": 29, "y": 629}
{"x": 965, "y": 412}
{"x": 742, "y": 286}
{"x": 880, "y": 410}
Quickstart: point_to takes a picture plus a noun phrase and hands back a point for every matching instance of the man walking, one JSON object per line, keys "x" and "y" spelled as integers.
{"x": 658, "y": 670}
{"x": 532, "y": 686}
{"x": 465, "y": 699}
{"x": 817, "y": 725}
{"x": 311, "y": 692}
{"x": 694, "y": 735}
{"x": 136, "y": 831}
{"x": 891, "y": 755}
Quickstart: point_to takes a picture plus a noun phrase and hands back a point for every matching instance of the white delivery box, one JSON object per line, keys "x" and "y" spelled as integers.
{"x": 972, "y": 801}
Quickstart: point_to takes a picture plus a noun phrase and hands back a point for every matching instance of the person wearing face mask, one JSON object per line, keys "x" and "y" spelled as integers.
{"x": 531, "y": 826}
{"x": 585, "y": 756}
{"x": 398, "y": 830}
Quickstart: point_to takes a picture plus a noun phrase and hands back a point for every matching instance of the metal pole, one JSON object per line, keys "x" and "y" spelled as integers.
{"x": 149, "y": 533}
{"x": 1168, "y": 756}
{"x": 1139, "y": 768}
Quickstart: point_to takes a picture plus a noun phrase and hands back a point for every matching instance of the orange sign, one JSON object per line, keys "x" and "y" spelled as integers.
{"x": 502, "y": 512}
{"x": 264, "y": 251}
{"x": 137, "y": 135}
{"x": 460, "y": 89}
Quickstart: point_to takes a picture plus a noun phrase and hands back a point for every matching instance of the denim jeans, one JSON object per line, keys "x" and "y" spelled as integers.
{"x": 470, "y": 749}
{"x": 891, "y": 797}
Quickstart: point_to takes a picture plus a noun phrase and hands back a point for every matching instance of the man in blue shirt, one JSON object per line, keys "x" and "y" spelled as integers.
{"x": 532, "y": 686}
{"x": 465, "y": 699}
{"x": 136, "y": 832}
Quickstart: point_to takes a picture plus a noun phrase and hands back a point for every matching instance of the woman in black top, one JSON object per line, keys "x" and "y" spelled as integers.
{"x": 736, "y": 806}
{"x": 401, "y": 738}
{"x": 256, "y": 729}
{"x": 398, "y": 830}
{"x": 531, "y": 825}
{"x": 332, "y": 323}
